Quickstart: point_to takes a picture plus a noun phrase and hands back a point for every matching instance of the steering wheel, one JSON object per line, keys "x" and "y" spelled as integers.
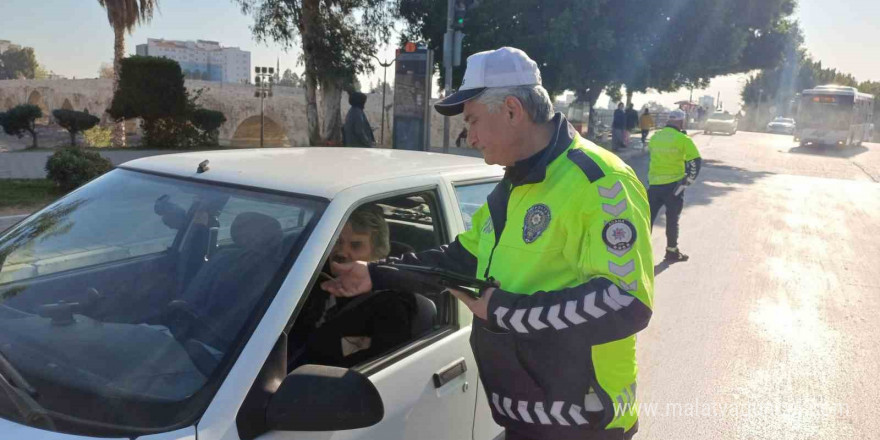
{"x": 186, "y": 323}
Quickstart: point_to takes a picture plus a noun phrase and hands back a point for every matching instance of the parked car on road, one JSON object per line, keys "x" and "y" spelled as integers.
{"x": 721, "y": 122}
{"x": 159, "y": 301}
{"x": 781, "y": 125}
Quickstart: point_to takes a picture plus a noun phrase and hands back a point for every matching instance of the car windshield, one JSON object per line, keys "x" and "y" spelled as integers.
{"x": 784, "y": 121}
{"x": 131, "y": 295}
{"x": 722, "y": 117}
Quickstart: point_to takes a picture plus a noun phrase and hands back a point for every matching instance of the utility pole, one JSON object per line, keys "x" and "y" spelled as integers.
{"x": 452, "y": 41}
{"x": 447, "y": 63}
{"x": 385, "y": 67}
{"x": 263, "y": 81}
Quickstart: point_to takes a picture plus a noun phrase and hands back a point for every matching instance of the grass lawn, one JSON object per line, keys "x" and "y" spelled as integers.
{"x": 26, "y": 195}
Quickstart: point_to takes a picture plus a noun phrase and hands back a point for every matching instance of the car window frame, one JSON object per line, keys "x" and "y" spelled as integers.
{"x": 441, "y": 228}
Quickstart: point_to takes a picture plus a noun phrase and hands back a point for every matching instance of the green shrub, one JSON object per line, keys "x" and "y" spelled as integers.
{"x": 74, "y": 122}
{"x": 98, "y": 137}
{"x": 21, "y": 119}
{"x": 208, "y": 123}
{"x": 70, "y": 168}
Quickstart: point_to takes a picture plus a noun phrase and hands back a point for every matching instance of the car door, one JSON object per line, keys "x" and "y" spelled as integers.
{"x": 430, "y": 390}
{"x": 428, "y": 386}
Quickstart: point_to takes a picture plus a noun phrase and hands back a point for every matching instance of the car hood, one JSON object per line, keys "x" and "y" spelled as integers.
{"x": 14, "y": 430}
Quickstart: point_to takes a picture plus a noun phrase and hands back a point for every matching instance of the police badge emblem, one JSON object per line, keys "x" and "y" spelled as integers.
{"x": 536, "y": 221}
{"x": 619, "y": 234}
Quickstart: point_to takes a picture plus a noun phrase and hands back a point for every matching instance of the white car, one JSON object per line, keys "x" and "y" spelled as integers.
{"x": 158, "y": 300}
{"x": 781, "y": 125}
{"x": 722, "y": 122}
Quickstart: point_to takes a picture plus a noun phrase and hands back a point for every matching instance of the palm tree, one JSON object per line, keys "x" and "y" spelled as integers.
{"x": 123, "y": 16}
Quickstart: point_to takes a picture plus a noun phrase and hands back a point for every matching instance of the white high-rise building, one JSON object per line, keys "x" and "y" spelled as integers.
{"x": 202, "y": 59}
{"x": 708, "y": 102}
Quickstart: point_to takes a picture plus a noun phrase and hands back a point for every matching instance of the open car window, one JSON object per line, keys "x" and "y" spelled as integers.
{"x": 376, "y": 327}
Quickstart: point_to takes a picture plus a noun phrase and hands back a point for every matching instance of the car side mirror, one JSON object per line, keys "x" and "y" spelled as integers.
{"x": 322, "y": 398}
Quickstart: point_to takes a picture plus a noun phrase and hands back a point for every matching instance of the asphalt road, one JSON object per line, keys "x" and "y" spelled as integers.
{"x": 770, "y": 330}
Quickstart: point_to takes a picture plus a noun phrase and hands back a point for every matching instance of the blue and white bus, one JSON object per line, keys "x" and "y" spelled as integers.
{"x": 835, "y": 115}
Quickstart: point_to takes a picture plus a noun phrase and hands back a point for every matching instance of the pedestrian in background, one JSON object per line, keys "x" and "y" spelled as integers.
{"x": 357, "y": 131}
{"x": 675, "y": 164}
{"x": 646, "y": 123}
{"x": 461, "y": 140}
{"x": 618, "y": 127}
{"x": 632, "y": 121}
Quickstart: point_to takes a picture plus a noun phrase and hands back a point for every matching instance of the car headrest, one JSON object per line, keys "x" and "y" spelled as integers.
{"x": 256, "y": 232}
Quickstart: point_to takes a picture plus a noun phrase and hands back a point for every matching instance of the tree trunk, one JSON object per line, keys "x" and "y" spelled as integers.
{"x": 312, "y": 108}
{"x": 629, "y": 97}
{"x": 591, "y": 96}
{"x": 34, "y": 136}
{"x": 310, "y": 30}
{"x": 72, "y": 138}
{"x": 117, "y": 138}
{"x": 332, "y": 96}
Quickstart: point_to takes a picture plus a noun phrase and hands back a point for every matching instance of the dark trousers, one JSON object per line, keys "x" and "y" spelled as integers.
{"x": 659, "y": 195}
{"x": 644, "y": 135}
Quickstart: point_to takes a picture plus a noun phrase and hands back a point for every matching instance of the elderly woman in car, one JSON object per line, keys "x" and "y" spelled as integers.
{"x": 347, "y": 331}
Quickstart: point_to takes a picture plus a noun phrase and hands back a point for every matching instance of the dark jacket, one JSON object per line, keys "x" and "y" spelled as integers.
{"x": 632, "y": 118}
{"x": 385, "y": 317}
{"x": 357, "y": 131}
{"x": 619, "y": 119}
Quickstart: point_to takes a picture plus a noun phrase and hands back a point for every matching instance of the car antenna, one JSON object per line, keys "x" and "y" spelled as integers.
{"x": 203, "y": 167}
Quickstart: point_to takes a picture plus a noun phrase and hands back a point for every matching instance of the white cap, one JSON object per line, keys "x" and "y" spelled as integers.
{"x": 505, "y": 67}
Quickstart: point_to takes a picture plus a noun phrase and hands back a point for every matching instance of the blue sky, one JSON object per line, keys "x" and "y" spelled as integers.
{"x": 72, "y": 37}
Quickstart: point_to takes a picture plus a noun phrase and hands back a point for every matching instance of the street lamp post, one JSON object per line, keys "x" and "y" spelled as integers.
{"x": 264, "y": 79}
{"x": 385, "y": 67}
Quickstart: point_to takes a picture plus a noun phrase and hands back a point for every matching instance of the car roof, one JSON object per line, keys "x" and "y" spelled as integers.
{"x": 316, "y": 171}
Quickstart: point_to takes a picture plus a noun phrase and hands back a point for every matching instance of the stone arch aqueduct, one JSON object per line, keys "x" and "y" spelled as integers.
{"x": 285, "y": 112}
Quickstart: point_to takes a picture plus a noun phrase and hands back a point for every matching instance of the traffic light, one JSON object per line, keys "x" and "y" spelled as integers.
{"x": 459, "y": 8}
{"x": 458, "y": 15}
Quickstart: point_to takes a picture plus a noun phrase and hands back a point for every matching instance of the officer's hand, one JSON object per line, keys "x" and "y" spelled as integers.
{"x": 352, "y": 279}
{"x": 479, "y": 307}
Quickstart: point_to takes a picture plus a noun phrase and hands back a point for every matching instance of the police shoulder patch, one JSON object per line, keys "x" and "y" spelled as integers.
{"x": 536, "y": 221}
{"x": 587, "y": 165}
{"x": 619, "y": 234}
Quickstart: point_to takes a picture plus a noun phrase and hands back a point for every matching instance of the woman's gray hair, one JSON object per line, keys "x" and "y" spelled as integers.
{"x": 535, "y": 100}
{"x": 369, "y": 219}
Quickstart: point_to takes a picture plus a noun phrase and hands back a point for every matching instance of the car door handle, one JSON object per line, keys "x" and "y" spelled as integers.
{"x": 449, "y": 372}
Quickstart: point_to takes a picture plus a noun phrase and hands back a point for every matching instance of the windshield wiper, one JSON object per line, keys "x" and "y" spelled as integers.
{"x": 8, "y": 370}
{"x": 22, "y": 394}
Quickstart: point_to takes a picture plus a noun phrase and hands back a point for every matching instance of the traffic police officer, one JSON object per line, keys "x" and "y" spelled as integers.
{"x": 566, "y": 234}
{"x": 675, "y": 164}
